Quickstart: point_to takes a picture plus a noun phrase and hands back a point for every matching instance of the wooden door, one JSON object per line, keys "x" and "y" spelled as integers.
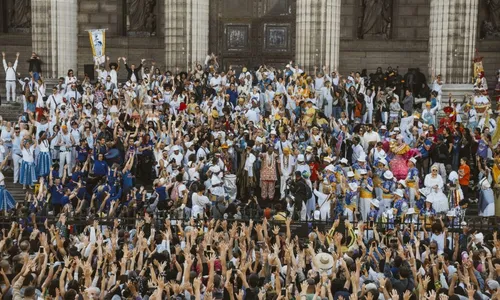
{"x": 252, "y": 32}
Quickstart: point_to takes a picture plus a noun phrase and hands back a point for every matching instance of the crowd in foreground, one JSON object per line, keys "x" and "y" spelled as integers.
{"x": 217, "y": 147}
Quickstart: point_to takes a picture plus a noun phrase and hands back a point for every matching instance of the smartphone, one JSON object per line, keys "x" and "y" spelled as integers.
{"x": 173, "y": 222}
{"x": 99, "y": 272}
{"x": 40, "y": 249}
{"x": 283, "y": 292}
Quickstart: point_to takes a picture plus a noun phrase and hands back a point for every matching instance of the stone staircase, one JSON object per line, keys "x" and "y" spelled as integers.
{"x": 10, "y": 111}
{"x": 15, "y": 189}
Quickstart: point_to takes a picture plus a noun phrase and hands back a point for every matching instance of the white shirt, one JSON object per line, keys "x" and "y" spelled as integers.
{"x": 251, "y": 115}
{"x": 437, "y": 87}
{"x": 28, "y": 154}
{"x": 10, "y": 72}
{"x": 199, "y": 203}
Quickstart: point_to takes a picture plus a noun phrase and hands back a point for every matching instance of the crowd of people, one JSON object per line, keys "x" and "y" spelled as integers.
{"x": 201, "y": 160}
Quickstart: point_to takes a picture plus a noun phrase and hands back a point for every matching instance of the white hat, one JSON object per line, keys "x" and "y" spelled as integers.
{"x": 327, "y": 159}
{"x": 396, "y": 129}
{"x": 399, "y": 193}
{"x": 383, "y": 127}
{"x": 309, "y": 149}
{"x": 424, "y": 191}
{"x": 453, "y": 176}
{"x": 288, "y": 65}
{"x": 188, "y": 144}
{"x": 392, "y": 133}
{"x": 363, "y": 172}
{"x": 413, "y": 160}
{"x": 451, "y": 213}
{"x": 362, "y": 158}
{"x": 273, "y": 132}
{"x": 429, "y": 200}
{"x": 375, "y": 202}
{"x": 317, "y": 215}
{"x": 402, "y": 182}
{"x": 353, "y": 186}
{"x": 330, "y": 168}
{"x": 388, "y": 175}
{"x": 382, "y": 161}
{"x": 301, "y": 158}
{"x": 215, "y": 180}
{"x": 324, "y": 261}
{"x": 410, "y": 211}
{"x": 479, "y": 238}
{"x": 175, "y": 148}
{"x": 344, "y": 161}
{"x": 350, "y": 174}
{"x": 165, "y": 149}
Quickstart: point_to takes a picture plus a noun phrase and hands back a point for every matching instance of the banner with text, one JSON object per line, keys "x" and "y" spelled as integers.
{"x": 98, "y": 43}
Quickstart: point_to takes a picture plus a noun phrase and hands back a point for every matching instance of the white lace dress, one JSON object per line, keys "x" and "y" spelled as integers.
{"x": 436, "y": 195}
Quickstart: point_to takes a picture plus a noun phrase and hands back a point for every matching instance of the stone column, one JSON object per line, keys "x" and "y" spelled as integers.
{"x": 55, "y": 35}
{"x": 186, "y": 32}
{"x": 452, "y": 40}
{"x": 317, "y": 33}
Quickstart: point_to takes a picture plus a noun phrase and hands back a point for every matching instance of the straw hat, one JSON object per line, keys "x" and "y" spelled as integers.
{"x": 324, "y": 261}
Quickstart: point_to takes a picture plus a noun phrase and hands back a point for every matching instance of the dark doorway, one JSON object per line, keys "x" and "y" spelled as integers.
{"x": 252, "y": 32}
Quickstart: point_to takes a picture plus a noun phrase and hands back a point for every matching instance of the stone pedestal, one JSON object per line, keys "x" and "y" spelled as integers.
{"x": 55, "y": 35}
{"x": 318, "y": 33}
{"x": 186, "y": 32}
{"x": 452, "y": 39}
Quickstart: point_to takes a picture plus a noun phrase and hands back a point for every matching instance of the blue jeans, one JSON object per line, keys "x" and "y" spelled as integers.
{"x": 455, "y": 162}
{"x": 36, "y": 75}
{"x": 336, "y": 110}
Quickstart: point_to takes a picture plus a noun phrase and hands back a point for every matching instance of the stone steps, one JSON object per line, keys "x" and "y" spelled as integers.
{"x": 11, "y": 111}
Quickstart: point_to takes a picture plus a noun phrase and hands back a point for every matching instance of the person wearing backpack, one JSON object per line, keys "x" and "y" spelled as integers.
{"x": 301, "y": 192}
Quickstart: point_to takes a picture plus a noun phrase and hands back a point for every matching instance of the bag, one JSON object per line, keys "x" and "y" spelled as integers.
{"x": 175, "y": 193}
{"x": 308, "y": 192}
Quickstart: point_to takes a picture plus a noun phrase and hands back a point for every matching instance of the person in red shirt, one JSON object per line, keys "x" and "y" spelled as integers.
{"x": 464, "y": 177}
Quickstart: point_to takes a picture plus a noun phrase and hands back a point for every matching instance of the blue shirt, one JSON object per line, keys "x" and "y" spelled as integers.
{"x": 83, "y": 153}
{"x": 127, "y": 179}
{"x": 56, "y": 192}
{"x": 100, "y": 168}
{"x": 233, "y": 96}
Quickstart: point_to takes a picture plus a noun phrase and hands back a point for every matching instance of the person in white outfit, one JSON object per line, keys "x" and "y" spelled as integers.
{"x": 17, "y": 155}
{"x": 10, "y": 77}
{"x": 65, "y": 142}
{"x": 286, "y": 168}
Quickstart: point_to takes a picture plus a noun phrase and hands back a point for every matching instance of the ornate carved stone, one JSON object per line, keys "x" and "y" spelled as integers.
{"x": 20, "y": 15}
{"x": 376, "y": 19}
{"x": 490, "y": 27}
{"x": 141, "y": 17}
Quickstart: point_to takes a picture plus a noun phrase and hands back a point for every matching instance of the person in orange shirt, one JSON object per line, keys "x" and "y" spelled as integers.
{"x": 464, "y": 177}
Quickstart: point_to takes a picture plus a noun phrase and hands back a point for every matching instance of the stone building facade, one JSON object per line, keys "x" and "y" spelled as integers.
{"x": 436, "y": 36}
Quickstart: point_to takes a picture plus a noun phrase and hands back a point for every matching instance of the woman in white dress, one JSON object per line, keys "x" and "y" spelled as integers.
{"x": 486, "y": 198}
{"x": 434, "y": 182}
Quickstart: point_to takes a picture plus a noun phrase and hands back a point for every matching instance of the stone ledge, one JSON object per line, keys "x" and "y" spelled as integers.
{"x": 386, "y": 46}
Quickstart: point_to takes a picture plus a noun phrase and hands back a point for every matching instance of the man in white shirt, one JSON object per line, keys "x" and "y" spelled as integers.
{"x": 216, "y": 81}
{"x": 73, "y": 93}
{"x": 10, "y": 77}
{"x": 370, "y": 136}
{"x": 437, "y": 86}
{"x": 54, "y": 100}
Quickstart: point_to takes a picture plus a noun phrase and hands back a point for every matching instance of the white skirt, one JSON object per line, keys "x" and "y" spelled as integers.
{"x": 439, "y": 201}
